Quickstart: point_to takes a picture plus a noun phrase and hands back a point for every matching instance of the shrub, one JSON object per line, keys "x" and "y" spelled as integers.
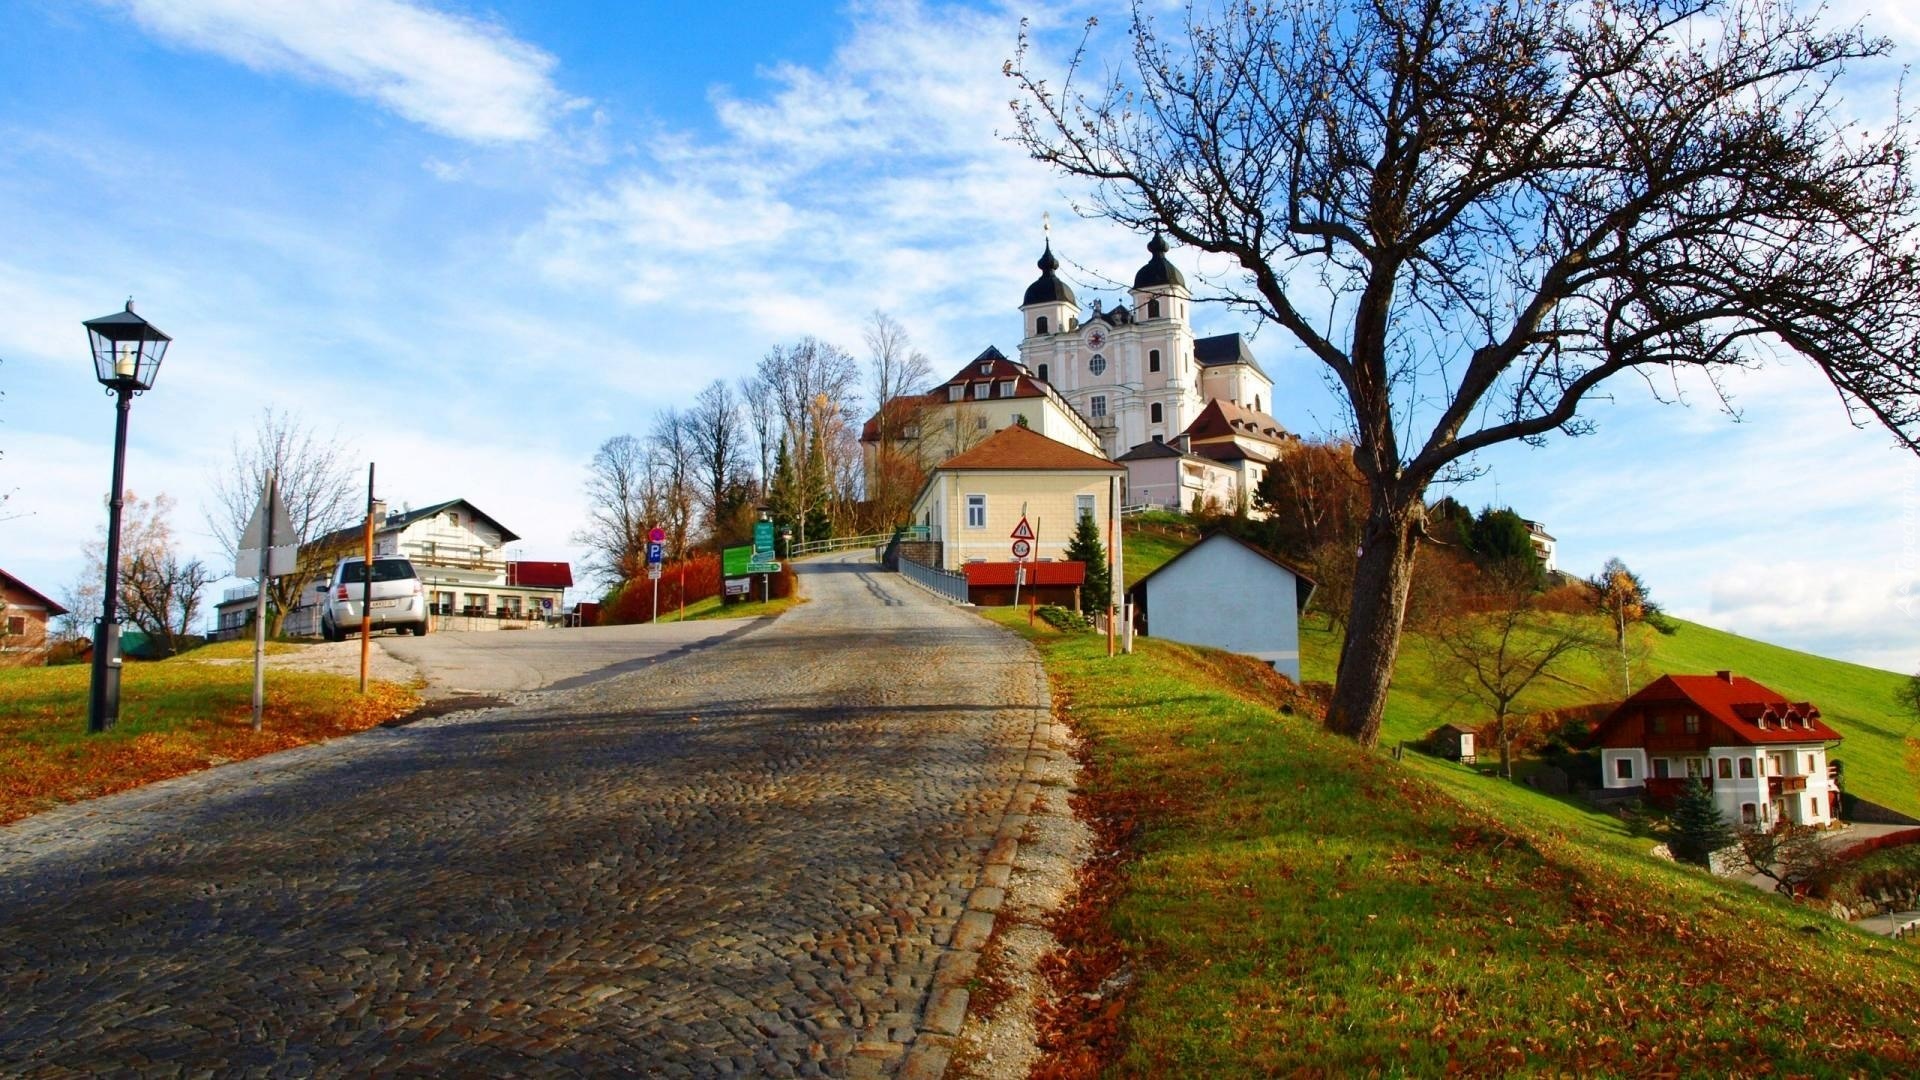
{"x": 1063, "y": 618}
{"x": 681, "y": 583}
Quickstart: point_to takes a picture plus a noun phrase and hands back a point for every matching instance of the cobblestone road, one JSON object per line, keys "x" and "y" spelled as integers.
{"x": 757, "y": 859}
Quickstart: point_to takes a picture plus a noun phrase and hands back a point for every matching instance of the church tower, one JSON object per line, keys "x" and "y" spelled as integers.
{"x": 1049, "y": 307}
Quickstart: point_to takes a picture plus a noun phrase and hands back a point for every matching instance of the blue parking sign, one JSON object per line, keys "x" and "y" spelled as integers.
{"x": 656, "y": 552}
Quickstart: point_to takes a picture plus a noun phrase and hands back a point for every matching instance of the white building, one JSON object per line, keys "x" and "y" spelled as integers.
{"x": 1543, "y": 546}
{"x": 1764, "y": 757}
{"x": 459, "y": 552}
{"x": 1227, "y": 594}
{"x": 1136, "y": 374}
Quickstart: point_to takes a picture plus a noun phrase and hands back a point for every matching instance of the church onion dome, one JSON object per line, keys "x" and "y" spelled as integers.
{"x": 1158, "y": 271}
{"x": 1049, "y": 289}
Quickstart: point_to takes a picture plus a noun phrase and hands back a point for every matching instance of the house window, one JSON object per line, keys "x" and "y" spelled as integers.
{"x": 1159, "y": 438}
{"x": 1660, "y": 768}
{"x": 1043, "y": 372}
{"x": 1659, "y": 725}
{"x": 986, "y": 367}
{"x": 1097, "y": 365}
{"x": 1746, "y": 768}
{"x": 980, "y": 423}
{"x": 1693, "y": 724}
{"x": 1623, "y": 768}
{"x": 476, "y": 603}
{"x": 976, "y": 511}
{"x": 1020, "y": 418}
{"x": 1810, "y": 767}
{"x": 1153, "y": 360}
{"x": 1693, "y": 768}
{"x": 982, "y": 390}
{"x": 453, "y": 519}
{"x": 1773, "y": 764}
{"x": 16, "y": 625}
{"x": 1153, "y": 413}
{"x": 957, "y": 392}
{"x": 1082, "y": 506}
{"x": 1813, "y": 808}
{"x": 1006, "y": 388}
{"x": 1746, "y": 813}
{"x": 1726, "y": 768}
{"x": 1098, "y": 406}
{"x": 1153, "y": 312}
{"x": 1040, "y": 327}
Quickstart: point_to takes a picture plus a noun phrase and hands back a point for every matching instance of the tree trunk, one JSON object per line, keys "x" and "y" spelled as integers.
{"x": 1382, "y": 576}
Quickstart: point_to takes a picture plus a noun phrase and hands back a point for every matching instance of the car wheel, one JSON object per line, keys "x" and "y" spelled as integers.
{"x": 420, "y": 628}
{"x": 330, "y": 631}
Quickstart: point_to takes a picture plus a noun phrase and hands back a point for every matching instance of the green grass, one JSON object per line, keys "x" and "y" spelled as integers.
{"x": 1147, "y": 545}
{"x": 176, "y": 716}
{"x": 712, "y": 608}
{"x": 1857, "y": 701}
{"x": 1298, "y": 904}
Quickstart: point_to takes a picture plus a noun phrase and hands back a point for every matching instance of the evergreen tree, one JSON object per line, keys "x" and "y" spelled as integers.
{"x": 1502, "y": 543}
{"x": 1698, "y": 828}
{"x": 783, "y": 495}
{"x": 1087, "y": 548}
{"x": 816, "y": 492}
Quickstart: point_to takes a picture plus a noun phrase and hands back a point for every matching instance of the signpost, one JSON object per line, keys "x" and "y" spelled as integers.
{"x": 261, "y": 558}
{"x": 1022, "y": 547}
{"x": 656, "y": 553}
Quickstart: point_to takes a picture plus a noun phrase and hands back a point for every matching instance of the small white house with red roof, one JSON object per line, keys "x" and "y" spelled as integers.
{"x": 1764, "y": 757}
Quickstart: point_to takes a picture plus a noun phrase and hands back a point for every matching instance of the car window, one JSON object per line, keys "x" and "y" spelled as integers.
{"x": 383, "y": 570}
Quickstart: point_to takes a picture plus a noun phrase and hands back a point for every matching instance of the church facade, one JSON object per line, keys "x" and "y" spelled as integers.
{"x": 1136, "y": 374}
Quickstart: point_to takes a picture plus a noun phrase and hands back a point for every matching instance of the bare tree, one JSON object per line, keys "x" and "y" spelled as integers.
{"x": 1502, "y": 651}
{"x": 1793, "y": 856}
{"x": 763, "y": 422}
{"x": 673, "y": 465}
{"x": 895, "y": 370}
{"x": 719, "y": 438}
{"x": 318, "y": 484}
{"x": 159, "y": 589}
{"x": 1476, "y": 214}
{"x": 618, "y": 514}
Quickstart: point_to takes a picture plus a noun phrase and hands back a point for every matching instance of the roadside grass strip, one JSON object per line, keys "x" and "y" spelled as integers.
{"x": 1296, "y": 904}
{"x": 712, "y": 608}
{"x": 176, "y": 716}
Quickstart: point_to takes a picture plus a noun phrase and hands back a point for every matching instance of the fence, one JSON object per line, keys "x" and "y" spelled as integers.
{"x": 842, "y": 543}
{"x": 950, "y": 585}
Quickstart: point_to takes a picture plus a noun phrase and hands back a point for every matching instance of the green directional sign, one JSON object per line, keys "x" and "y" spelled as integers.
{"x": 763, "y": 542}
{"x": 735, "y": 560}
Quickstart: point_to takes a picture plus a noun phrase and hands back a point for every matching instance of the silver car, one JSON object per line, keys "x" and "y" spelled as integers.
{"x": 398, "y": 599}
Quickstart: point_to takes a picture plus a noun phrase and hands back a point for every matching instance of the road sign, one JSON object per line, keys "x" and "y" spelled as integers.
{"x": 1022, "y": 548}
{"x": 656, "y": 553}
{"x": 1023, "y": 531}
{"x": 739, "y": 586}
{"x": 757, "y": 567}
{"x": 281, "y": 559}
{"x": 762, "y": 542}
{"x": 653, "y": 572}
{"x": 656, "y": 535}
{"x": 734, "y": 560}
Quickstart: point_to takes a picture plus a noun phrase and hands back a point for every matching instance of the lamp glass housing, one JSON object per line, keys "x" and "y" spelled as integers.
{"x": 127, "y": 350}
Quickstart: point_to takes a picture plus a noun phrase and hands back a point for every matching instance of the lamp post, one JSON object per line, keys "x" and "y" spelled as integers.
{"x": 127, "y": 351}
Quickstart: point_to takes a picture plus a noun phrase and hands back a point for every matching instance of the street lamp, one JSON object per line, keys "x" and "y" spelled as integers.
{"x": 127, "y": 351}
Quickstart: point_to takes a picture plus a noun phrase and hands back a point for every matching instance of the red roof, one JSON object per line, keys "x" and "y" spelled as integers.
{"x": 1223, "y": 419}
{"x": 1018, "y": 448}
{"x": 1038, "y": 573}
{"x": 1747, "y": 713}
{"x": 540, "y": 575}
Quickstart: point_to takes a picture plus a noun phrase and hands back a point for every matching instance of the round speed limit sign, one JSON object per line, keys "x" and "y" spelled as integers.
{"x": 1022, "y": 549}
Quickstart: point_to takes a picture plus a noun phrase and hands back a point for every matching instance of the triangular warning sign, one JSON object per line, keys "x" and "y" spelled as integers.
{"x": 1023, "y": 531}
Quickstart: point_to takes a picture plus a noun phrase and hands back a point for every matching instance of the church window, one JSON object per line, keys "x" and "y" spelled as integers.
{"x": 1098, "y": 406}
{"x": 1256, "y": 403}
{"x": 1153, "y": 309}
{"x": 1097, "y": 365}
{"x": 1043, "y": 373}
{"x": 1153, "y": 413}
{"x": 1040, "y": 325}
{"x": 1153, "y": 360}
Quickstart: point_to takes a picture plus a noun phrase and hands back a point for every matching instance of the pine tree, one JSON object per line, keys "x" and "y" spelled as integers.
{"x": 816, "y": 492}
{"x": 1698, "y": 828}
{"x": 1087, "y": 548}
{"x": 783, "y": 494}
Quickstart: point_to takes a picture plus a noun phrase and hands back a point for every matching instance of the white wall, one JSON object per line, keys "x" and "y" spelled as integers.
{"x": 1222, "y": 595}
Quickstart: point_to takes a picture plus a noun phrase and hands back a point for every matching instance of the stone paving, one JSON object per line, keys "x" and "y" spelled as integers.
{"x": 775, "y": 856}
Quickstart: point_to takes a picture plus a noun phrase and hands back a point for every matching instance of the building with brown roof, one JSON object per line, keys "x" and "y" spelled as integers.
{"x": 1764, "y": 757}
{"x": 972, "y": 502}
{"x": 24, "y": 612}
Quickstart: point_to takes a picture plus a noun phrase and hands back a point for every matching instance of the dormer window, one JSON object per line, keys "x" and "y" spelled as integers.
{"x": 982, "y": 391}
{"x": 1006, "y": 388}
{"x": 986, "y": 367}
{"x": 957, "y": 392}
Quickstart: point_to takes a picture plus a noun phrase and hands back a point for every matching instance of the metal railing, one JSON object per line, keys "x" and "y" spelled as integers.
{"x": 841, "y": 543}
{"x": 950, "y": 585}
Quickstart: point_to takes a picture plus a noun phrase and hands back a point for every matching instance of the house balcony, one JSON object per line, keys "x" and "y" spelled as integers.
{"x": 1785, "y": 785}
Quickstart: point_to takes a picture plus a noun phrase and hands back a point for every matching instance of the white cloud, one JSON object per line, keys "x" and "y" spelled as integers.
{"x": 457, "y": 75}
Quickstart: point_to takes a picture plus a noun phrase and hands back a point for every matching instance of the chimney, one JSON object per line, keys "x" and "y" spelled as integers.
{"x": 1724, "y": 676}
{"x": 1183, "y": 443}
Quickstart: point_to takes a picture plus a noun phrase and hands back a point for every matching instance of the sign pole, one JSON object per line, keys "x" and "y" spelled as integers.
{"x": 260, "y": 608}
{"x": 1113, "y": 517}
{"x": 366, "y": 586}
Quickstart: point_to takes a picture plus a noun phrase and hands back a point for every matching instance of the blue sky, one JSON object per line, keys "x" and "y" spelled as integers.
{"x": 478, "y": 240}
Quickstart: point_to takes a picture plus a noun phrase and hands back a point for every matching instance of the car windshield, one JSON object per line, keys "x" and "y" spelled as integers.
{"x": 383, "y": 570}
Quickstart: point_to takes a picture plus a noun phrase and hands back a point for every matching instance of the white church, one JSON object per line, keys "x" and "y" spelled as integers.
{"x": 1186, "y": 415}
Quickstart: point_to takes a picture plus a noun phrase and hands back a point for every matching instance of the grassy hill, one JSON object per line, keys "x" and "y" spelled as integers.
{"x": 1856, "y": 700}
{"x": 1297, "y": 904}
